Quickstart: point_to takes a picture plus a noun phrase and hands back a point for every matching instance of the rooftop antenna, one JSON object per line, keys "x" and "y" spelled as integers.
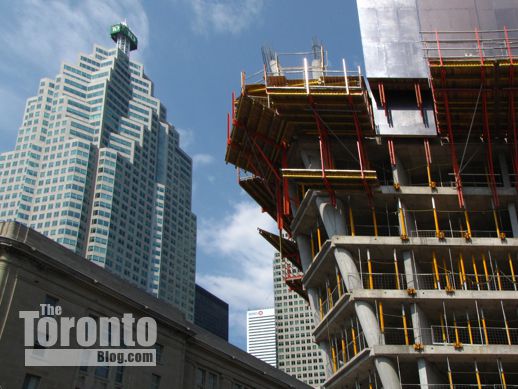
{"x": 124, "y": 37}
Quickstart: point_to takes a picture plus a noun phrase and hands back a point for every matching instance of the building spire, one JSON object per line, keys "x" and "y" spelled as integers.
{"x": 124, "y": 37}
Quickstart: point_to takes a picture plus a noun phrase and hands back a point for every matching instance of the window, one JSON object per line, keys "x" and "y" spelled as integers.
{"x": 155, "y": 381}
{"x": 159, "y": 351}
{"x": 119, "y": 374}
{"x": 102, "y": 371}
{"x": 212, "y": 381}
{"x": 31, "y": 382}
{"x": 51, "y": 300}
{"x": 200, "y": 378}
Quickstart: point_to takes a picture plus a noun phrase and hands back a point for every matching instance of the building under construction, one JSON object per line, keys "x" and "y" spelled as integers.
{"x": 395, "y": 190}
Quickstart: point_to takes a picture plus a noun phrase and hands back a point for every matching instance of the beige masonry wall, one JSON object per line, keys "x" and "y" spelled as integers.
{"x": 34, "y": 269}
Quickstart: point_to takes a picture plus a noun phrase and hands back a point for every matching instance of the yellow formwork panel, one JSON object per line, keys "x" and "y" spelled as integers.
{"x": 331, "y": 174}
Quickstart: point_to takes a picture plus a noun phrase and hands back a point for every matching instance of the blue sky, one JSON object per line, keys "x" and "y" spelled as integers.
{"x": 194, "y": 51}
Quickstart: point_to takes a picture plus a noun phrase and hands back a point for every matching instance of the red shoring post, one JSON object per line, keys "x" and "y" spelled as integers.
{"x": 507, "y": 43}
{"x": 438, "y": 47}
{"x": 361, "y": 152}
{"x": 265, "y": 139}
{"x": 485, "y": 124}
{"x": 435, "y": 110}
{"x": 234, "y": 121}
{"x": 479, "y": 46}
{"x": 228, "y": 130}
{"x": 383, "y": 101}
{"x": 428, "y": 155}
{"x": 266, "y": 159}
{"x": 359, "y": 138}
{"x": 255, "y": 169}
{"x": 432, "y": 88}
{"x": 256, "y": 173}
{"x": 453, "y": 152}
{"x": 427, "y": 152}
{"x": 250, "y": 163}
{"x": 278, "y": 195}
{"x": 487, "y": 135}
{"x": 419, "y": 98}
{"x": 325, "y": 155}
{"x": 392, "y": 153}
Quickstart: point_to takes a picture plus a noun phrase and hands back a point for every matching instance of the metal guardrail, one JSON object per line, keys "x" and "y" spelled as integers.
{"x": 420, "y": 281}
{"x": 450, "y": 336}
{"x": 466, "y": 45}
{"x": 481, "y": 336}
{"x": 459, "y": 386}
{"x": 311, "y": 77}
{"x": 429, "y": 281}
{"x": 349, "y": 349}
{"x": 448, "y": 233}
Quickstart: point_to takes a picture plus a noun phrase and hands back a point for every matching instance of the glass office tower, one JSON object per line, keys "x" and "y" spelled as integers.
{"x": 98, "y": 168}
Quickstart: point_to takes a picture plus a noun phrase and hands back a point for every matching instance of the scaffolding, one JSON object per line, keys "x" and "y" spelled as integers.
{"x": 404, "y": 246}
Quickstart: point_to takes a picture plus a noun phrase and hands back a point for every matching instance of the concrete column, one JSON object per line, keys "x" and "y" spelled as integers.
{"x": 420, "y": 323}
{"x": 334, "y": 222}
{"x": 292, "y": 190}
{"x": 511, "y": 207}
{"x": 399, "y": 173}
{"x": 314, "y": 304}
{"x": 326, "y": 359}
{"x": 427, "y": 374}
{"x": 304, "y": 245}
{"x": 333, "y": 217}
{"x": 411, "y": 277}
{"x": 348, "y": 269}
{"x": 400, "y": 176}
{"x": 387, "y": 372}
{"x": 504, "y": 170}
{"x": 409, "y": 220}
{"x": 310, "y": 158}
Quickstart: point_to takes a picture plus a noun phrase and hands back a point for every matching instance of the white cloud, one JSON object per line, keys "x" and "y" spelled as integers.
{"x": 235, "y": 238}
{"x": 42, "y": 33}
{"x": 186, "y": 137}
{"x": 225, "y": 16}
{"x": 202, "y": 159}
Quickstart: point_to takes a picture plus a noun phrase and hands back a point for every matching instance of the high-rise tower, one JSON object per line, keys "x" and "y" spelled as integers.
{"x": 397, "y": 188}
{"x": 297, "y": 353}
{"x": 98, "y": 168}
{"x": 260, "y": 335}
